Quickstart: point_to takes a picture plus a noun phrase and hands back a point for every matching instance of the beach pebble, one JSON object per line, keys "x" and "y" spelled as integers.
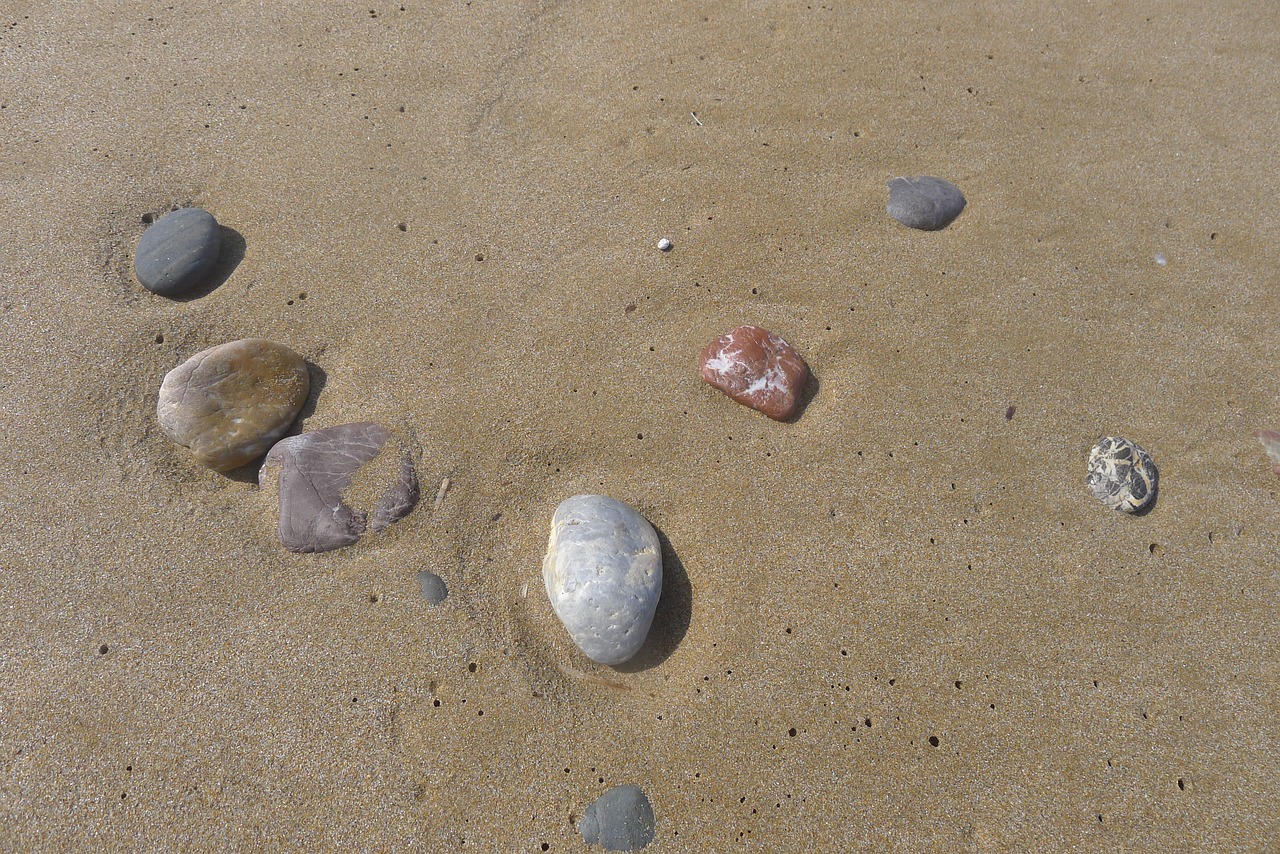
{"x": 664, "y": 244}
{"x": 758, "y": 369}
{"x": 923, "y": 202}
{"x": 603, "y": 573}
{"x": 230, "y": 403}
{"x": 336, "y": 483}
{"x": 433, "y": 587}
{"x": 178, "y": 252}
{"x": 619, "y": 820}
{"x": 1121, "y": 474}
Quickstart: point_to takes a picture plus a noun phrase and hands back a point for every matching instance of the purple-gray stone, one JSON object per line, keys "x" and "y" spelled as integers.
{"x": 334, "y": 484}
{"x": 924, "y": 202}
{"x": 178, "y": 252}
{"x": 619, "y": 820}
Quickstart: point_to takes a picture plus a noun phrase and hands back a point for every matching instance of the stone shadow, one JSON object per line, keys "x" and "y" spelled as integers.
{"x": 810, "y": 391}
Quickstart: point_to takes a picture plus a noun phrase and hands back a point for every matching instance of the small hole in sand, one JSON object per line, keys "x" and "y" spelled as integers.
{"x": 159, "y": 338}
{"x": 148, "y": 218}
{"x": 933, "y": 740}
{"x": 471, "y": 668}
{"x": 102, "y": 650}
{"x": 404, "y": 226}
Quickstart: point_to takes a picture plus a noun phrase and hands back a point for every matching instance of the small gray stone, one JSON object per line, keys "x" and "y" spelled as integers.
{"x": 178, "y": 252}
{"x": 923, "y": 202}
{"x": 230, "y": 403}
{"x": 603, "y": 573}
{"x": 335, "y": 483}
{"x": 433, "y": 587}
{"x": 620, "y": 820}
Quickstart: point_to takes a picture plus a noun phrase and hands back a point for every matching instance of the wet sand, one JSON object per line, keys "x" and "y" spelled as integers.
{"x": 899, "y": 623}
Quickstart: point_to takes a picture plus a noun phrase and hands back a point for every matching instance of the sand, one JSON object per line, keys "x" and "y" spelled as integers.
{"x": 450, "y": 211}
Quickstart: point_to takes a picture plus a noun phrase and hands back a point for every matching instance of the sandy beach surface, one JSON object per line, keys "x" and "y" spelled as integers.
{"x": 898, "y": 623}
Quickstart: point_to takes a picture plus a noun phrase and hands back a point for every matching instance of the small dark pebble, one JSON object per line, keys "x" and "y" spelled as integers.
{"x": 178, "y": 252}
{"x": 924, "y": 202}
{"x": 433, "y": 587}
{"x": 620, "y": 820}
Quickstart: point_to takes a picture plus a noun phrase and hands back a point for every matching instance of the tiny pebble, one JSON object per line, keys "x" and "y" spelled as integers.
{"x": 178, "y": 252}
{"x": 433, "y": 587}
{"x": 923, "y": 202}
{"x": 664, "y": 244}
{"x": 619, "y": 820}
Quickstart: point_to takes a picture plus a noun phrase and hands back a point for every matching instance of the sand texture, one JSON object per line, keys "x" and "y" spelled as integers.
{"x": 900, "y": 622}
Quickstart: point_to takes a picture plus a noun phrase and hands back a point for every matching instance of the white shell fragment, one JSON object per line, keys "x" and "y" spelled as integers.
{"x": 603, "y": 573}
{"x": 1270, "y": 440}
{"x": 1122, "y": 475}
{"x": 664, "y": 244}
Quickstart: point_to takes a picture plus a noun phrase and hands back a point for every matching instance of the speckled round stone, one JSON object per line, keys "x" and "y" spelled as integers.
{"x": 178, "y": 252}
{"x": 924, "y": 202}
{"x": 335, "y": 484}
{"x": 758, "y": 369}
{"x": 603, "y": 574}
{"x": 434, "y": 590}
{"x": 229, "y": 404}
{"x": 619, "y": 820}
{"x": 1122, "y": 475}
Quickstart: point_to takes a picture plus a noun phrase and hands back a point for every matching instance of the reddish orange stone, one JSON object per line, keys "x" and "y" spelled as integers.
{"x": 758, "y": 369}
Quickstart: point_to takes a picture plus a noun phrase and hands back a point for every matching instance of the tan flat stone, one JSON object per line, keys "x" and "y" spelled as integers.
{"x": 229, "y": 404}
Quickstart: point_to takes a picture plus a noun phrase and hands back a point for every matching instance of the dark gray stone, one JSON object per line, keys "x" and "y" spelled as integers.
{"x": 923, "y": 202}
{"x": 620, "y": 820}
{"x": 336, "y": 483}
{"x": 178, "y": 252}
{"x": 433, "y": 587}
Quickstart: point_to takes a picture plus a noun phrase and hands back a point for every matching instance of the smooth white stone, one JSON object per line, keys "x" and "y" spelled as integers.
{"x": 603, "y": 572}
